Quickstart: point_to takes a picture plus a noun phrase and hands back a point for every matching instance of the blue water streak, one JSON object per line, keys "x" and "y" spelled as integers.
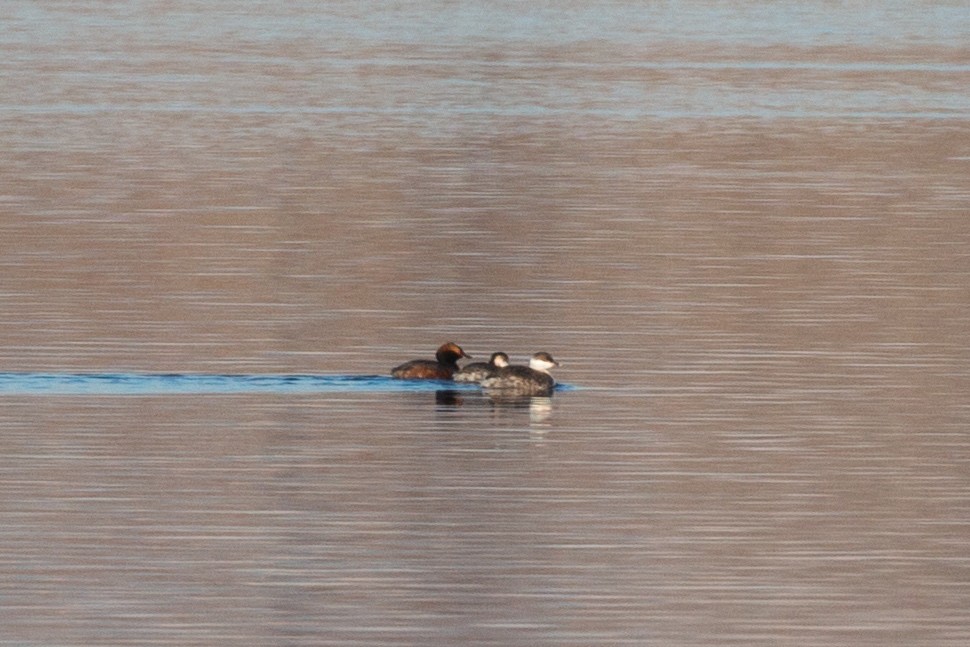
{"x": 13, "y": 383}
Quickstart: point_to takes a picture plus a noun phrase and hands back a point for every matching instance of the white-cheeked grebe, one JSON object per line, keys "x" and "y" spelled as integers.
{"x": 533, "y": 379}
{"x": 478, "y": 371}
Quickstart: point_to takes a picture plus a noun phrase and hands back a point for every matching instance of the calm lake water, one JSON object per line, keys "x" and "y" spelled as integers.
{"x": 741, "y": 227}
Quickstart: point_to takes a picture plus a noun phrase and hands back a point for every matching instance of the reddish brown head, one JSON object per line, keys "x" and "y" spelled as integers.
{"x": 442, "y": 368}
{"x": 449, "y": 353}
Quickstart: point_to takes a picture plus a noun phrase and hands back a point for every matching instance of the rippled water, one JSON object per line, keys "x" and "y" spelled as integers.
{"x": 159, "y": 384}
{"x": 740, "y": 227}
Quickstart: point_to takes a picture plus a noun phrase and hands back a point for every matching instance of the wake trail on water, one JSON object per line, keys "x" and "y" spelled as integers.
{"x": 195, "y": 383}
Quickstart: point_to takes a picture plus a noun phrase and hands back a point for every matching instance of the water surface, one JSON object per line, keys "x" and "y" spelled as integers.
{"x": 741, "y": 228}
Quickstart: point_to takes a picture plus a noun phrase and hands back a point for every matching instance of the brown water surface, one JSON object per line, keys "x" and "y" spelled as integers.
{"x": 743, "y": 231}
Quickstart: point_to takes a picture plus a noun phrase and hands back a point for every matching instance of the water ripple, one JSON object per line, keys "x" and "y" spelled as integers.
{"x": 15, "y": 383}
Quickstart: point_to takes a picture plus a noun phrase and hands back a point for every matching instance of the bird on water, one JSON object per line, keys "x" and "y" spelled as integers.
{"x": 442, "y": 367}
{"x": 533, "y": 379}
{"x": 478, "y": 371}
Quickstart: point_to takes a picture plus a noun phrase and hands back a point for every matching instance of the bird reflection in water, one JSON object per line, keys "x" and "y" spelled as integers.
{"x": 539, "y": 407}
{"x": 449, "y": 398}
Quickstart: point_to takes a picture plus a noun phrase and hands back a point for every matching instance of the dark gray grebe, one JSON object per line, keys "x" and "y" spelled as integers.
{"x": 442, "y": 367}
{"x": 533, "y": 379}
{"x": 478, "y": 371}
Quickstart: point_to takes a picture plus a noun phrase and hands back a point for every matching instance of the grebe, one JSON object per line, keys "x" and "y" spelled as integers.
{"x": 478, "y": 371}
{"x": 442, "y": 367}
{"x": 533, "y": 379}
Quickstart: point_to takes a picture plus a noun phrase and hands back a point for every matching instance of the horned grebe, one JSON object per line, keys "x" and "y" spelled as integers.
{"x": 478, "y": 371}
{"x": 533, "y": 379}
{"x": 443, "y": 367}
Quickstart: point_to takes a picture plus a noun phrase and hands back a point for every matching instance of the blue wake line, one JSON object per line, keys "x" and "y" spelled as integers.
{"x": 196, "y": 383}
